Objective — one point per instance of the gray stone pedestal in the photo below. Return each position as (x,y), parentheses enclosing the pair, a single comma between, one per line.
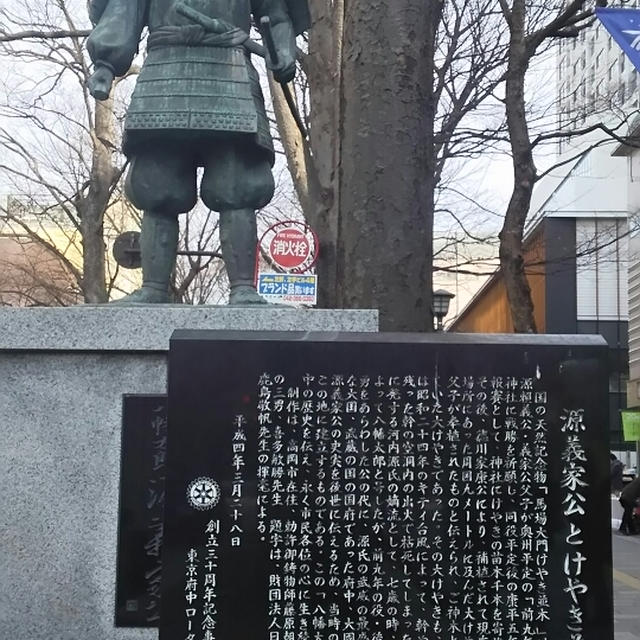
(62,376)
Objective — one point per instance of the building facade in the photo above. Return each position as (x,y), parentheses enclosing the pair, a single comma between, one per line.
(595,79)
(576,261)
(41,253)
(631,153)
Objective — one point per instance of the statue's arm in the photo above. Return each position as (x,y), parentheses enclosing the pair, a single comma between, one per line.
(114,41)
(283,35)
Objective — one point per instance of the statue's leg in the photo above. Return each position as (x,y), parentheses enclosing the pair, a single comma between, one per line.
(162,184)
(236,182)
(158,246)
(238,237)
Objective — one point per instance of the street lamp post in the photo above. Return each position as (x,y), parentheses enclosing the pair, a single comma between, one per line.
(440,305)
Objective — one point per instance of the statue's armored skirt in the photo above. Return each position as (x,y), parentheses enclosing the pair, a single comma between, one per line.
(196,89)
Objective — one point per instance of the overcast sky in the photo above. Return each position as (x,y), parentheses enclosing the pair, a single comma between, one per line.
(487,179)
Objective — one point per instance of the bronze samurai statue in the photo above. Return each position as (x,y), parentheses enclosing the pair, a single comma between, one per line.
(197,103)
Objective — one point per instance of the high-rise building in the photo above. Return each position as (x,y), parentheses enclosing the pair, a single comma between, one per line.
(595,80)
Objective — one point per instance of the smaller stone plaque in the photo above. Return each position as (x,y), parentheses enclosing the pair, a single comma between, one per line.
(142,475)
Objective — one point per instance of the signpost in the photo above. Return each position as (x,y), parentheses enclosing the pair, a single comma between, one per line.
(291,249)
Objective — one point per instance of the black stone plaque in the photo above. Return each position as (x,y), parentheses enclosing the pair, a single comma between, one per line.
(386,487)
(142,478)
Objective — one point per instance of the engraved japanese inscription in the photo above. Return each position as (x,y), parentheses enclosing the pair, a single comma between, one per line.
(386,488)
(142,477)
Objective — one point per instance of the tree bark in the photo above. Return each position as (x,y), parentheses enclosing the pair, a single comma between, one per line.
(387,154)
(511,235)
(93,204)
(324,74)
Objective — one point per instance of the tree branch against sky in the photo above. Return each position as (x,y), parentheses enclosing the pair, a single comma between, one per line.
(533,27)
(60,147)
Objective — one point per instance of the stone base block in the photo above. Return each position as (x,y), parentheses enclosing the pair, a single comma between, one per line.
(62,376)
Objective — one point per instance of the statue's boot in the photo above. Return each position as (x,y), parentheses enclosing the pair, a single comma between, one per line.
(239,238)
(158,246)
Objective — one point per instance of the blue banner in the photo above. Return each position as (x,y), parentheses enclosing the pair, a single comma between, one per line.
(624,27)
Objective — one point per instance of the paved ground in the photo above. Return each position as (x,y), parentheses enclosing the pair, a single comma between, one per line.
(626,584)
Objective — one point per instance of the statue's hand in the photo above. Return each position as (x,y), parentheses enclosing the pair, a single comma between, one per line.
(285,70)
(100,82)
(284,41)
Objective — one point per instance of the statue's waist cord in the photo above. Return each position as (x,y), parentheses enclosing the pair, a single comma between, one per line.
(194,35)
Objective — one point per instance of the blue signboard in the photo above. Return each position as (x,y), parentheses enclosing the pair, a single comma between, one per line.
(290,288)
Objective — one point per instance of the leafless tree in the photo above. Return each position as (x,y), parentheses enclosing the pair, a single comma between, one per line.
(532,27)
(390,103)
(59,147)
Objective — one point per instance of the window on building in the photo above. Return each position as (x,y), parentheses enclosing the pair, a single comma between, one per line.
(600,94)
(601,269)
(618,382)
(634,170)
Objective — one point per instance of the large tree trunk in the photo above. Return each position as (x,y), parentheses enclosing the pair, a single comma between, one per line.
(94,203)
(324,76)
(511,258)
(387,151)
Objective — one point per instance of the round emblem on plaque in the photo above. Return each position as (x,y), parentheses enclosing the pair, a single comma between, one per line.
(203,493)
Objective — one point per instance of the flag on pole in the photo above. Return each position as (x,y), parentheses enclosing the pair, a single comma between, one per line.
(624,27)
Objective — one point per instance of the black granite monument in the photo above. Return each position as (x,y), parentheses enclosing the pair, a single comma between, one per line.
(386,487)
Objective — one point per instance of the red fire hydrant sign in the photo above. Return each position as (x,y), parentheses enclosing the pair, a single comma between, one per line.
(289,248)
